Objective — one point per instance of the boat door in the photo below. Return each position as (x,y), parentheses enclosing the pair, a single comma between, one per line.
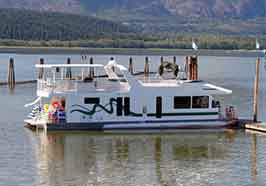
(158,107)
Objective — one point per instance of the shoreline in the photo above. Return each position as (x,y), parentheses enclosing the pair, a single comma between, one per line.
(127,51)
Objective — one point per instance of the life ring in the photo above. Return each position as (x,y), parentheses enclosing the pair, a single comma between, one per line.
(167,65)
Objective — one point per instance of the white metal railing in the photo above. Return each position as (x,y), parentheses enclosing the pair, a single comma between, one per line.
(57,85)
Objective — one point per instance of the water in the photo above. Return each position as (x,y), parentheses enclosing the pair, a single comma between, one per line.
(222,157)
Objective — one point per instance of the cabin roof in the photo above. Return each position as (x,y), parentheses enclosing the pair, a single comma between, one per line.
(191,87)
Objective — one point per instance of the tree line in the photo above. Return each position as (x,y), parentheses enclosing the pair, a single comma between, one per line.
(46,29)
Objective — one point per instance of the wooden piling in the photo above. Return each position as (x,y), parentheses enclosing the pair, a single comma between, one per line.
(91,74)
(146,67)
(41,70)
(174,60)
(256,92)
(68,70)
(11,74)
(187,67)
(130,66)
(161,59)
(193,68)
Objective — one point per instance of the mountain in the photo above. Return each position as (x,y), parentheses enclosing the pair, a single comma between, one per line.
(217,8)
(188,8)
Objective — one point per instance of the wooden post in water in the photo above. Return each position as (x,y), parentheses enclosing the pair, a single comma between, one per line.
(91,75)
(161,59)
(146,67)
(130,66)
(11,74)
(41,70)
(68,70)
(187,68)
(256,92)
(174,59)
(193,68)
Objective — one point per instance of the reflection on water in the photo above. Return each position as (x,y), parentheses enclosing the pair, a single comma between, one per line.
(253,157)
(94,159)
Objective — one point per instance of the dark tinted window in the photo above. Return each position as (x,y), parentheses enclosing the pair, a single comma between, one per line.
(91,100)
(182,102)
(200,102)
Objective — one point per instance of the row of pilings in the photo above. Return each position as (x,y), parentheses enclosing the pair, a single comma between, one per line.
(11,80)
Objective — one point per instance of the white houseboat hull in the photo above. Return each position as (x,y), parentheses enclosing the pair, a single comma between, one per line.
(137,125)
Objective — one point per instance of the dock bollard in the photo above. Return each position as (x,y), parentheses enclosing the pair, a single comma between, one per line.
(41,70)
(130,66)
(11,74)
(146,67)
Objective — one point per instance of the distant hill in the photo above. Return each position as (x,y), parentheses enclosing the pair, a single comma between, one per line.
(31,25)
(186,8)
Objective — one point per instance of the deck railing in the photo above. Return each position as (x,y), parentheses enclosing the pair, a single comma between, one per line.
(56,86)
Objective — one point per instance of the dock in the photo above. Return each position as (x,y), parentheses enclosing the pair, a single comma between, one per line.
(261,127)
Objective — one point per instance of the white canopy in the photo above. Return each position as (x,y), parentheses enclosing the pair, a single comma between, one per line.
(68,65)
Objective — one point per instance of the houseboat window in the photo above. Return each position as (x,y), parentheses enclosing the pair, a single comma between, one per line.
(216,104)
(127,106)
(91,100)
(200,102)
(182,102)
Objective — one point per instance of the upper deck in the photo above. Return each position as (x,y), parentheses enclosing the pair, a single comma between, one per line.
(96,78)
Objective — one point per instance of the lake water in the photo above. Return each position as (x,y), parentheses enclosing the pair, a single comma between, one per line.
(217,157)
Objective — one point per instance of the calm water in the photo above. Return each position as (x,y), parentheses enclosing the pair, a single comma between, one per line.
(176,158)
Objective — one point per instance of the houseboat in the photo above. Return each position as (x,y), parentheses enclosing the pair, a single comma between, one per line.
(110,97)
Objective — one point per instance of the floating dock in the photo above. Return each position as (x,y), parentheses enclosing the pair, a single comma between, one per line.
(256,126)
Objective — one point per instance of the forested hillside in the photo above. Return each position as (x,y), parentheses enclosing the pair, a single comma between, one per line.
(31,25)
